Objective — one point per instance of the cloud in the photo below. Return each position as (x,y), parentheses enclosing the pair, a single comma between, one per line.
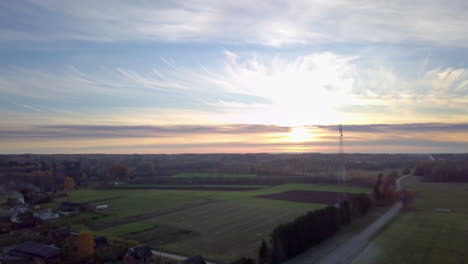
(114,131)
(273,23)
(327,87)
(73,82)
(318,88)
(380,138)
(402,128)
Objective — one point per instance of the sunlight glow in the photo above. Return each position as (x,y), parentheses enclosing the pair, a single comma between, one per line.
(300,134)
(304,90)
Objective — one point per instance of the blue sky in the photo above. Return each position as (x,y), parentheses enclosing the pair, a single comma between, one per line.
(293,64)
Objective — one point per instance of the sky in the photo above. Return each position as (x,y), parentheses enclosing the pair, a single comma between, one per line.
(200,76)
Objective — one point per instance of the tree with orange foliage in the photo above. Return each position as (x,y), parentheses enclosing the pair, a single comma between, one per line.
(385,188)
(85,244)
(68,184)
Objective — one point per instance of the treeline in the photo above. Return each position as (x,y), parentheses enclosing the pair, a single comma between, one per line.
(443,170)
(291,239)
(99,167)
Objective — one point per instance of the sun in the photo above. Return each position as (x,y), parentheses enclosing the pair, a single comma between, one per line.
(299,134)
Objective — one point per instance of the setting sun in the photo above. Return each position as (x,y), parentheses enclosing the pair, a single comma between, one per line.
(299,134)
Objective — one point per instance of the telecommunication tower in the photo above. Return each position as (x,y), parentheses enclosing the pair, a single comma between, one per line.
(341,173)
(341,169)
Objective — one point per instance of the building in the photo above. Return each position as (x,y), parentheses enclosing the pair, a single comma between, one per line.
(141,254)
(17,211)
(101,243)
(194,260)
(46,215)
(102,207)
(32,252)
(58,235)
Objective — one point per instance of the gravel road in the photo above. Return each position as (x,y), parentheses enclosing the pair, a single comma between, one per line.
(348,250)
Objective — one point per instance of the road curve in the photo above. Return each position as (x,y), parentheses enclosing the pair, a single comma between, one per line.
(397,183)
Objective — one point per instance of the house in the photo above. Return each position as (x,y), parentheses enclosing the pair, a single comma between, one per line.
(58,235)
(102,207)
(31,251)
(141,254)
(16,198)
(46,215)
(101,243)
(17,211)
(194,260)
(20,209)
(71,212)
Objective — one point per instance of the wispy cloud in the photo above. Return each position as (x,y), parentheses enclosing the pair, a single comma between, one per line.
(113,131)
(259,22)
(319,88)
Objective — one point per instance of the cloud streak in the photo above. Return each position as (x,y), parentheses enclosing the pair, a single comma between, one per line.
(113,131)
(259,22)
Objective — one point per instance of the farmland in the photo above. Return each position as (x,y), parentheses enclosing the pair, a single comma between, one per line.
(220,225)
(211,187)
(423,234)
(214,175)
(307,196)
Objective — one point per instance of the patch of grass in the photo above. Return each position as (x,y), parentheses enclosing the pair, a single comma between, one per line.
(126,228)
(190,186)
(213,175)
(159,235)
(7,241)
(130,202)
(423,235)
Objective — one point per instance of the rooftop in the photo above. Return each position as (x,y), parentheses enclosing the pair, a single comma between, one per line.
(35,249)
(140,252)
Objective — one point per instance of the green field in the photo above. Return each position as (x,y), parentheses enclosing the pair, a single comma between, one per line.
(220,225)
(213,175)
(191,186)
(423,235)
(188,187)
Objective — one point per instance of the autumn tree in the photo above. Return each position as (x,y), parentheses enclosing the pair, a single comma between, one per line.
(119,171)
(385,188)
(85,244)
(68,184)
